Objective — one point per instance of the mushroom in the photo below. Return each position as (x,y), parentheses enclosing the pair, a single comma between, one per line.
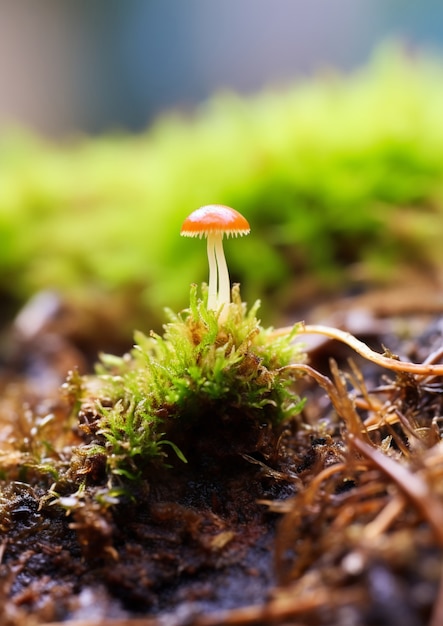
(213,221)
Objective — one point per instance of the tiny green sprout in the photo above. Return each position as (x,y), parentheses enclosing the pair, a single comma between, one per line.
(213,221)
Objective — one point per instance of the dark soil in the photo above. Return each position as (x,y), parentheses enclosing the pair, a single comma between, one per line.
(197,539)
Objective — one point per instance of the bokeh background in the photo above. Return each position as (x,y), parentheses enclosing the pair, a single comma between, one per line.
(320,120)
(95,65)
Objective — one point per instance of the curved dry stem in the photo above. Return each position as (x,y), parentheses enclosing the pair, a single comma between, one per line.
(423,369)
(321,379)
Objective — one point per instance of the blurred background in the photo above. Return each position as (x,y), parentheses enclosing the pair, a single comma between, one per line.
(320,120)
(95,65)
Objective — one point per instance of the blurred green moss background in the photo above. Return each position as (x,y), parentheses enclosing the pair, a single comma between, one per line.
(340,177)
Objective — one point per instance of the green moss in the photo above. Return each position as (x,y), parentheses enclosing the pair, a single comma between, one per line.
(210,381)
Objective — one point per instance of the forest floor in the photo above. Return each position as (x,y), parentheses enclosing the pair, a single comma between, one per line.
(338,519)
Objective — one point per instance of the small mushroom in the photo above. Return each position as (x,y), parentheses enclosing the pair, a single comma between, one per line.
(213,221)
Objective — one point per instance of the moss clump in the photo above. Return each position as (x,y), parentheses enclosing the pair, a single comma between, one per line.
(208,388)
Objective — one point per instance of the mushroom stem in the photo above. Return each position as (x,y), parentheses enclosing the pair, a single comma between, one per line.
(212,287)
(224,287)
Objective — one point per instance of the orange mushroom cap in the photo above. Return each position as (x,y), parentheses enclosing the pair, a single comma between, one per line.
(215,219)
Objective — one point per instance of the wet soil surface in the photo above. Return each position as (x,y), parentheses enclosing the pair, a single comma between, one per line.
(197,540)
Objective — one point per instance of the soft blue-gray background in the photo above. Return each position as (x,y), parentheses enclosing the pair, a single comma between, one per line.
(94,65)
